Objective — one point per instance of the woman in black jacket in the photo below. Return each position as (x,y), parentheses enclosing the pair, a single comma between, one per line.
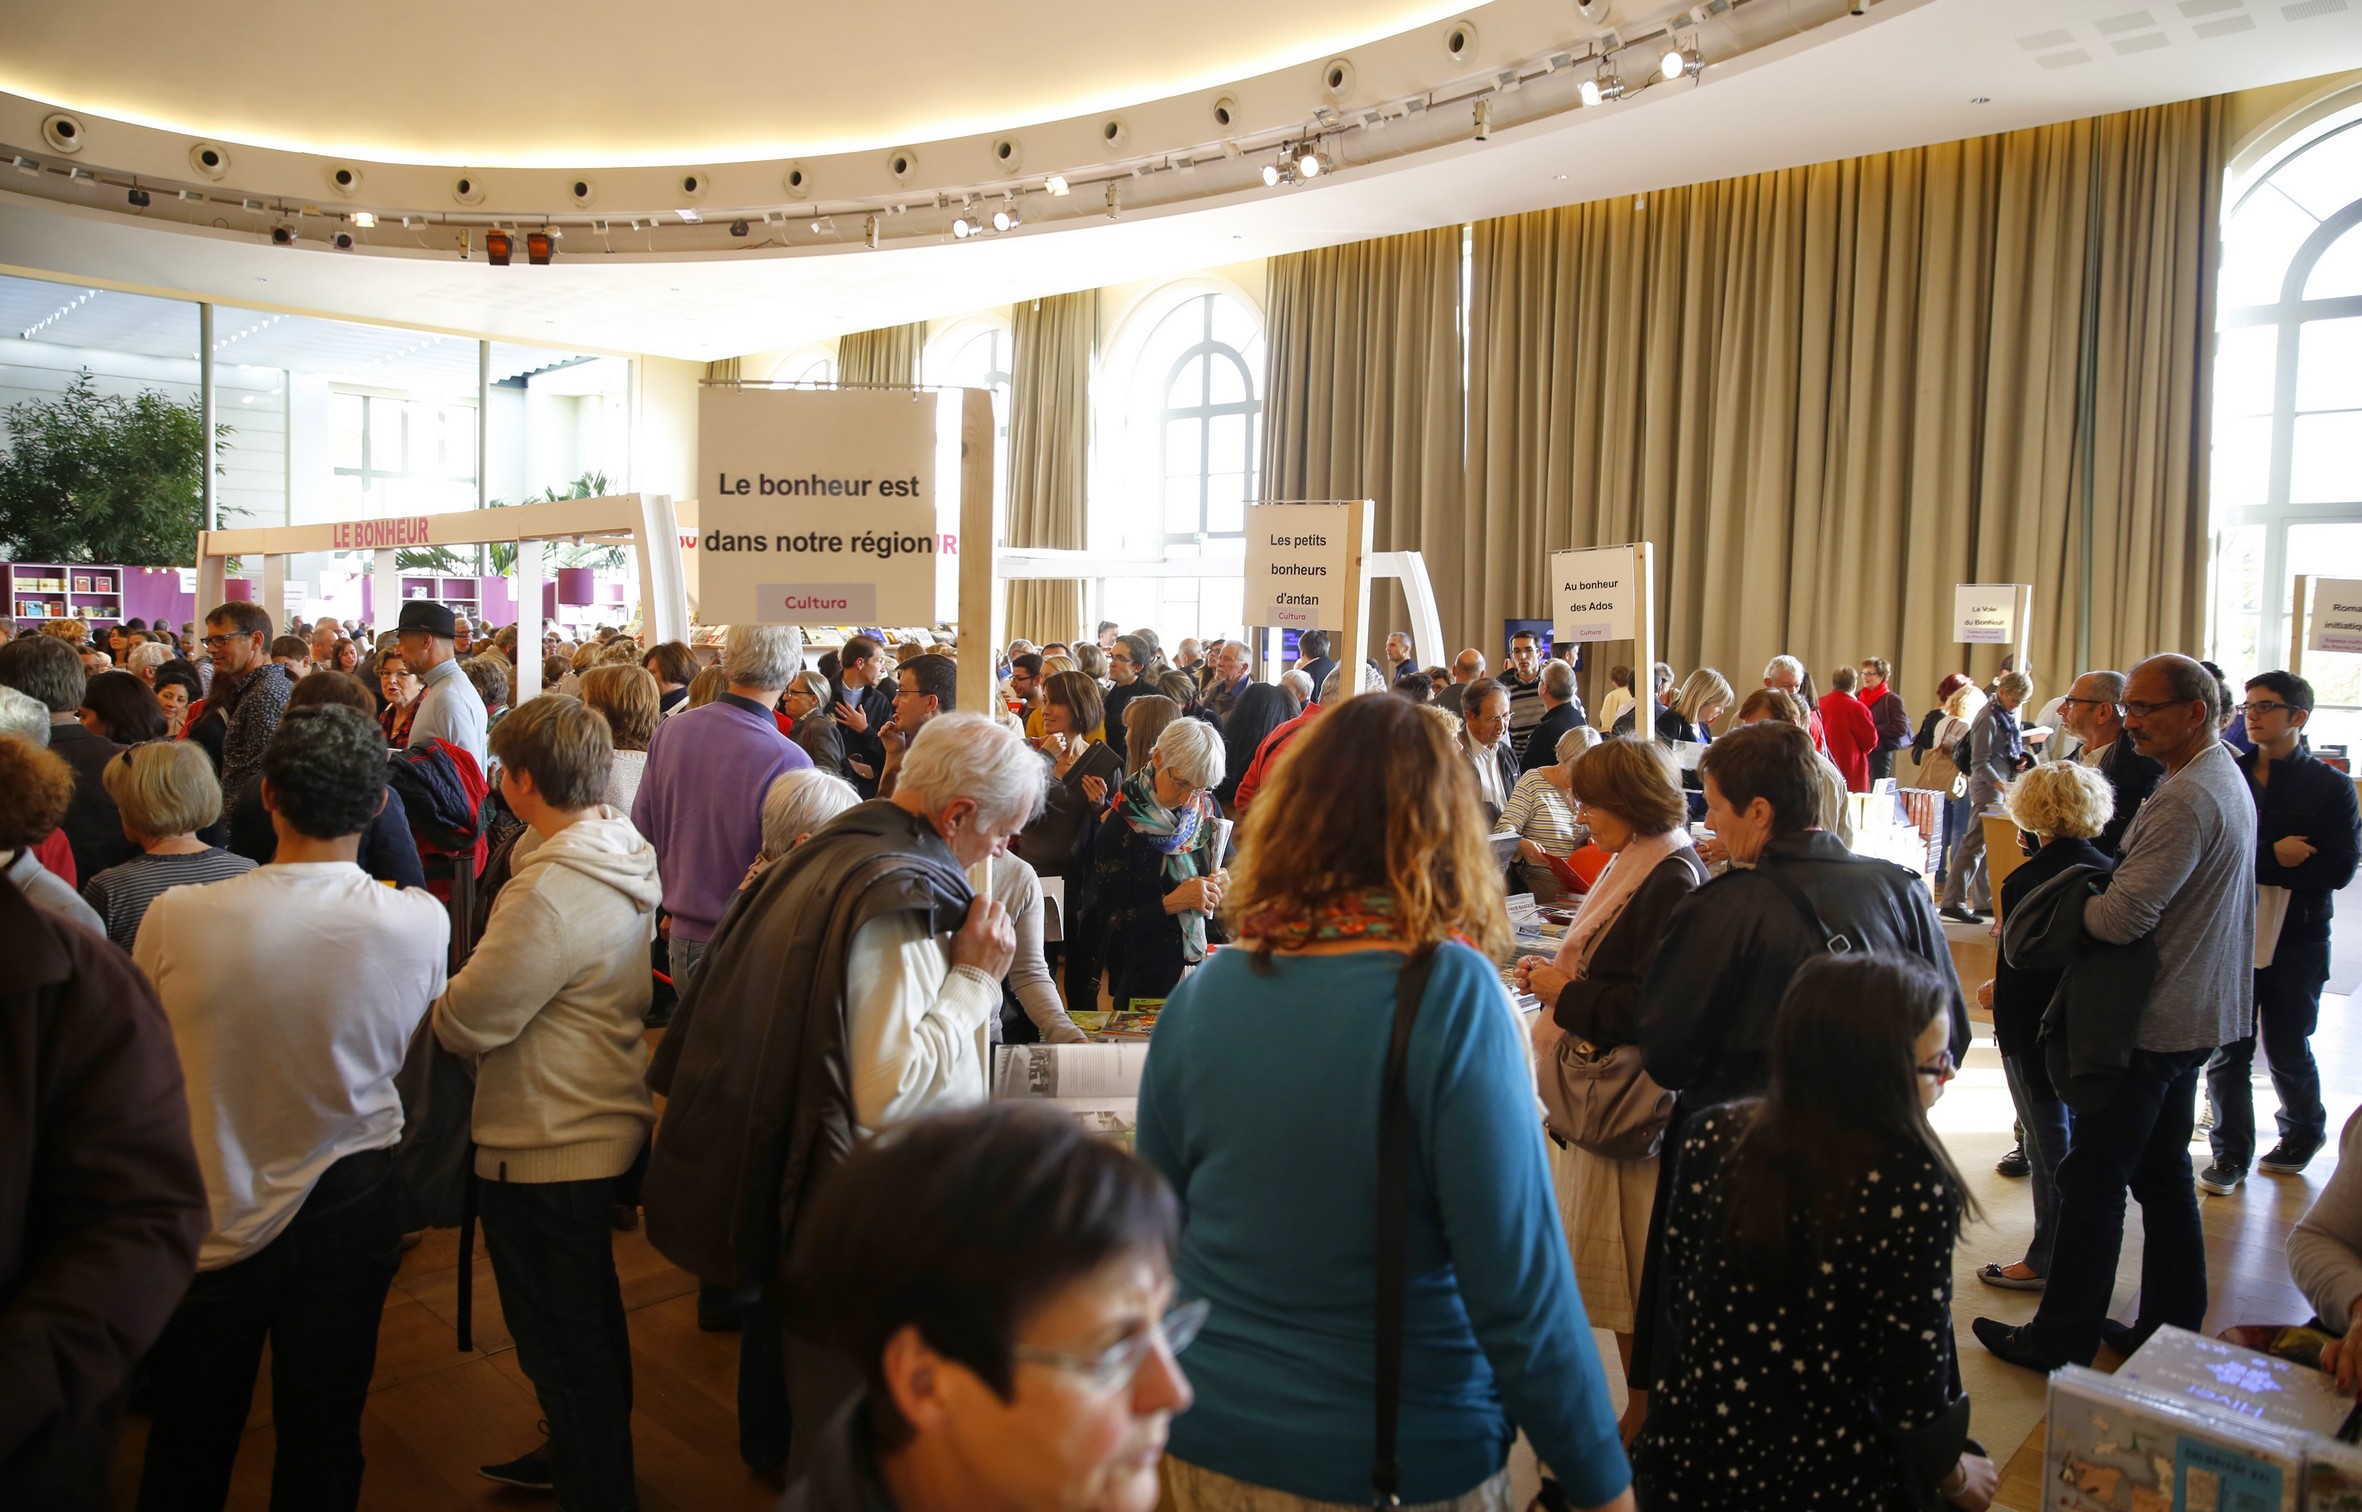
(1159,865)
(2063,804)
(1627,795)
(1262,708)
(1087,775)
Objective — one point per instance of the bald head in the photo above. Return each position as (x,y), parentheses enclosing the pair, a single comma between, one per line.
(1468,666)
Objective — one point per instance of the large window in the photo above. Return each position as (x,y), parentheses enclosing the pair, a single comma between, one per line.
(397,456)
(2287,463)
(1192,428)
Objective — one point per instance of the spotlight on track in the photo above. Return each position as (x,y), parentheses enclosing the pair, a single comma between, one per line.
(499,247)
(540,247)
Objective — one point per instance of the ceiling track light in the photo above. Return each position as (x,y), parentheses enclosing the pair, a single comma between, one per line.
(499,247)
(1056,186)
(1681,61)
(541,246)
(965,224)
(1115,199)
(1007,218)
(1603,86)
(1484,119)
(870,233)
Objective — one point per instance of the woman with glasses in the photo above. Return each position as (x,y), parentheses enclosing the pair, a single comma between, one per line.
(1366,857)
(2064,805)
(400,688)
(1004,1284)
(1812,1231)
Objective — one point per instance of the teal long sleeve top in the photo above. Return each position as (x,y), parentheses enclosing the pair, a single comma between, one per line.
(1259,1103)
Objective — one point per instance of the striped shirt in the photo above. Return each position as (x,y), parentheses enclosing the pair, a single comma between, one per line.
(121,894)
(1538,810)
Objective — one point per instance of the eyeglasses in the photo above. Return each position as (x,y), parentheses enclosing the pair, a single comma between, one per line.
(1944,1069)
(1113,1369)
(2094,702)
(2269,706)
(216,642)
(2127,708)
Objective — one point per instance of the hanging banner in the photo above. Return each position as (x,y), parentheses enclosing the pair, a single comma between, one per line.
(2337,615)
(1592,594)
(817,507)
(1298,559)
(1985,614)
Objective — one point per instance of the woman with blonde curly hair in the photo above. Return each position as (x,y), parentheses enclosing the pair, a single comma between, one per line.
(2063,804)
(1367,906)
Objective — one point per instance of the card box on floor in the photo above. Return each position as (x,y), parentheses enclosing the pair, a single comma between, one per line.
(2211,1374)
(2117,1447)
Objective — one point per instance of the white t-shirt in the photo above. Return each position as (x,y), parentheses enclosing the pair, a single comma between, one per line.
(292,993)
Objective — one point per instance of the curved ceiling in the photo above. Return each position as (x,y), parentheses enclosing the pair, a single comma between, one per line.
(621,83)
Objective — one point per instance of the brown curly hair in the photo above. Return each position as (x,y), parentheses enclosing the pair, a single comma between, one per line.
(1372,797)
(36,788)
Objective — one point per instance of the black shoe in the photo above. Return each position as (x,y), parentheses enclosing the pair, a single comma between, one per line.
(2288,1157)
(627,1218)
(1961,916)
(2009,1345)
(527,1472)
(2221,1178)
(717,1310)
(2015,1162)
(2125,1338)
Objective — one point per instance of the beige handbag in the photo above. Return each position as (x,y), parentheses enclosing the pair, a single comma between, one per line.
(1604,1101)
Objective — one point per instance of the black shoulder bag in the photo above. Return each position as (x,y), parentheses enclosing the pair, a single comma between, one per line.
(1394,1212)
(1831,940)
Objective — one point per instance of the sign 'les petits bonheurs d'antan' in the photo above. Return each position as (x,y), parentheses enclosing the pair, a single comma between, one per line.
(817,507)
(1298,556)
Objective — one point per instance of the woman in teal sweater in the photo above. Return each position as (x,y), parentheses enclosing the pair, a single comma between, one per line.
(1260,1104)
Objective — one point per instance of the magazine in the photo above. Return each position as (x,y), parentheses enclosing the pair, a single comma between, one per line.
(1068,1071)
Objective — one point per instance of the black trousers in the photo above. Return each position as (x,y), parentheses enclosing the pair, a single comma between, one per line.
(2287,1008)
(553,1257)
(315,1294)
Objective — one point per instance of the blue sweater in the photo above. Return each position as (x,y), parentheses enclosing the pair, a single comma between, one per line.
(1260,1104)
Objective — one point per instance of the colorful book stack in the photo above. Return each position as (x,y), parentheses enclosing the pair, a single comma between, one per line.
(2189,1423)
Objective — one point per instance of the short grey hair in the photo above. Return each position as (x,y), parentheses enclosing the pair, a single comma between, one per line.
(1190,751)
(1575,742)
(798,803)
(1558,681)
(1779,664)
(762,656)
(2017,684)
(972,756)
(1299,682)
(813,683)
(150,654)
(2111,684)
(23,715)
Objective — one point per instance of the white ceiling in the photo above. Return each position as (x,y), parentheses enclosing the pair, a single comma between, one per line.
(618,82)
(1904,77)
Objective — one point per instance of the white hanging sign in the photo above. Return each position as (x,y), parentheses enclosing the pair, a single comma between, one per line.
(1985,614)
(1298,557)
(2337,615)
(1592,594)
(817,507)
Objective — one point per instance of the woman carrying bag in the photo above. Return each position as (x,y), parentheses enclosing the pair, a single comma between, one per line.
(1335,1361)
(1606,1118)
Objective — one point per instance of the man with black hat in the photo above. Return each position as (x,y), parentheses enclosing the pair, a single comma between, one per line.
(449,708)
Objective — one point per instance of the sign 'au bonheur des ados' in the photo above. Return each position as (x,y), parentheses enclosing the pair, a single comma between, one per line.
(817,507)
(1298,556)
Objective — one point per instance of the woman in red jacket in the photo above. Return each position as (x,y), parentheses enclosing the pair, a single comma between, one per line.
(1852,734)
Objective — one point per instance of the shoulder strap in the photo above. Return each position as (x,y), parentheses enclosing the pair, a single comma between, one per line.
(1394,1203)
(1834,943)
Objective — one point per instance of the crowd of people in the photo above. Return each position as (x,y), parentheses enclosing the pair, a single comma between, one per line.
(726,949)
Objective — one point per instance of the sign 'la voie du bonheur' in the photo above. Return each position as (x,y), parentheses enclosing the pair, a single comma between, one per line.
(818,507)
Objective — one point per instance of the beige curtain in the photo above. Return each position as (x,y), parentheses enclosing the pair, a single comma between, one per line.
(725,370)
(882,358)
(1362,400)
(1829,394)
(1052,347)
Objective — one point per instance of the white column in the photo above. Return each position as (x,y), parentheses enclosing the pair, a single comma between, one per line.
(528,621)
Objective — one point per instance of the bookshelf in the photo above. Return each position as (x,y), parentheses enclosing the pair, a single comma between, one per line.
(40,591)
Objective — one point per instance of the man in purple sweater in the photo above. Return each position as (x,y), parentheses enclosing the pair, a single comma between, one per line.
(701,799)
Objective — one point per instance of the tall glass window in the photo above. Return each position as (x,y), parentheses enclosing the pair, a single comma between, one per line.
(2287,460)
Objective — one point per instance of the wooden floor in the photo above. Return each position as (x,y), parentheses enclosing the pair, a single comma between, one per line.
(435,1414)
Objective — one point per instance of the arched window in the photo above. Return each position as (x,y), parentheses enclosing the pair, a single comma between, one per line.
(813,365)
(1192,439)
(2287,463)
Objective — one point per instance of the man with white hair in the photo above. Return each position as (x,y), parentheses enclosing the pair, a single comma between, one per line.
(701,793)
(1786,674)
(854,987)
(1231,670)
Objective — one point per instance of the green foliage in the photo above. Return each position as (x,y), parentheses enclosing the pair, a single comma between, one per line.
(103,478)
(443,559)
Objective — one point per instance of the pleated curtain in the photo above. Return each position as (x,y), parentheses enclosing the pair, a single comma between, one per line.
(1830,394)
(1052,348)
(1363,401)
(884,357)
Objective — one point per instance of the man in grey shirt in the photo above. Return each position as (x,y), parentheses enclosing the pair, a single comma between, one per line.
(2187,878)
(449,707)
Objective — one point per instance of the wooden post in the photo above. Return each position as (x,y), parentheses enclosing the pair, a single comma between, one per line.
(1356,631)
(2300,619)
(274,589)
(981,611)
(1644,630)
(2024,649)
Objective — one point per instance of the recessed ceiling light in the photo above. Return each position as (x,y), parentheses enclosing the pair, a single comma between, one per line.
(1558,178)
(1981,100)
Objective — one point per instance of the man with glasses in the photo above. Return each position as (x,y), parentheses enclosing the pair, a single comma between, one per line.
(2091,714)
(2306,846)
(248,696)
(1523,678)
(1128,664)
(2187,881)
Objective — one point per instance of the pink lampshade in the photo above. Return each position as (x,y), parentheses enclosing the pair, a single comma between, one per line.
(237,590)
(576,586)
(549,600)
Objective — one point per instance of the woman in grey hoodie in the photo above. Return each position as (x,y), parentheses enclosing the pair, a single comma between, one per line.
(551,1004)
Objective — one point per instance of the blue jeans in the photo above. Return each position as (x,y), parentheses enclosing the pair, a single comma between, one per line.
(315,1294)
(2046,1125)
(682,956)
(2287,1007)
(2139,1142)
(552,1245)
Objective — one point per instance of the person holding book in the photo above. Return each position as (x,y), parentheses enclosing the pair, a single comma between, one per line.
(1158,871)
